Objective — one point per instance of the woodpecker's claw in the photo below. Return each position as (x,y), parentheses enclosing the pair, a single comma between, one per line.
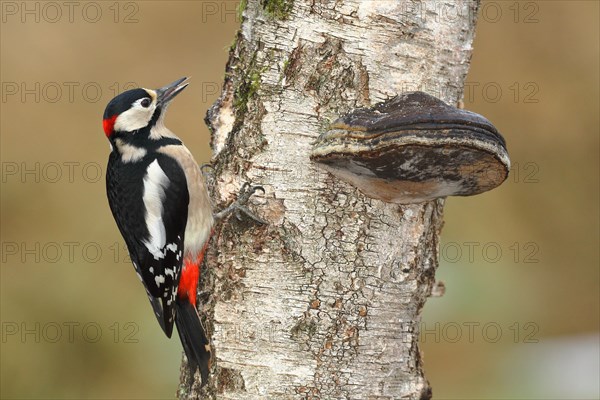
(247,191)
(238,207)
(206,166)
(239,210)
(208,172)
(244,195)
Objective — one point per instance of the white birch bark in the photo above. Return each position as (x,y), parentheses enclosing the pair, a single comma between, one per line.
(324,302)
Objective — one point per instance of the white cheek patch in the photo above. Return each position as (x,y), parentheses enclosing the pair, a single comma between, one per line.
(155,183)
(135,118)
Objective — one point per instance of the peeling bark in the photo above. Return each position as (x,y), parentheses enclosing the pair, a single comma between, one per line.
(324,301)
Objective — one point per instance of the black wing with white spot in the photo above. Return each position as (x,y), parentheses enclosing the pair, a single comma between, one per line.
(149,201)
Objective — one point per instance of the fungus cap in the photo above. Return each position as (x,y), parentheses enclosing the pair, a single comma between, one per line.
(414,148)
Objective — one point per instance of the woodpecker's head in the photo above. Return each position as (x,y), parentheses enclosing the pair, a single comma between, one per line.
(140,109)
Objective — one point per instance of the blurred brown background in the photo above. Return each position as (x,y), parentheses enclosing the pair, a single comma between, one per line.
(520,316)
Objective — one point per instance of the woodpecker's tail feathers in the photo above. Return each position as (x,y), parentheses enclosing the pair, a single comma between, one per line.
(194,341)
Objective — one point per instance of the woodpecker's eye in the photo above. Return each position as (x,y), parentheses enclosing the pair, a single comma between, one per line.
(146,103)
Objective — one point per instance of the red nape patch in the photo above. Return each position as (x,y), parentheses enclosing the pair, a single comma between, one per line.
(109,125)
(188,282)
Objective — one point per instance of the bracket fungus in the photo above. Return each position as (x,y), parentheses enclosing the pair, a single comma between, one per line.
(414,148)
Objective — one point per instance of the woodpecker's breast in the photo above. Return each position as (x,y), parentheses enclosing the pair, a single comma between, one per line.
(200,218)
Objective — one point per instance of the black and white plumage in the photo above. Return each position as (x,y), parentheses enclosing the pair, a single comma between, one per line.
(160,203)
(155,246)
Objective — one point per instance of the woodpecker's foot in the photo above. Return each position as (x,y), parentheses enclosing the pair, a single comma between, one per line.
(238,207)
(208,171)
(206,166)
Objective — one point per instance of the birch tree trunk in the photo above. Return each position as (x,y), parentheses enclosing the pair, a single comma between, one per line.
(323,302)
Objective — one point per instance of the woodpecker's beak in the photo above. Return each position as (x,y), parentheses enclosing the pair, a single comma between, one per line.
(167,93)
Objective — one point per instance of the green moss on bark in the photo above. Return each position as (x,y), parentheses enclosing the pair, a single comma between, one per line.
(277,9)
(241,9)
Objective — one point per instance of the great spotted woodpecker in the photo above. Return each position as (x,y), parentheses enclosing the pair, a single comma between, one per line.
(160,203)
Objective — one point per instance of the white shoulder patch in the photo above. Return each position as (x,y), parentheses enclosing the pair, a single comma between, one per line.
(155,183)
(130,153)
